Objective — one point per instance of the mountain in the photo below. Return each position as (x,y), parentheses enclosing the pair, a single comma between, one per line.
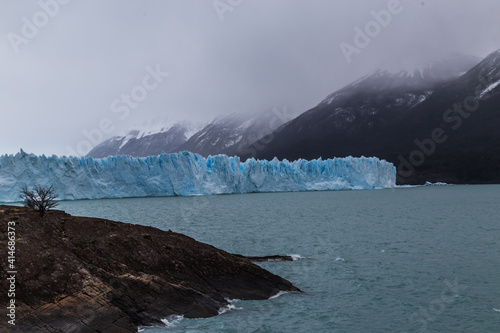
(223,135)
(141,143)
(396,116)
(467,113)
(230,134)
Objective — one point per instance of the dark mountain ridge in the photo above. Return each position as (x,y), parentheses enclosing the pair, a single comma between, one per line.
(391,115)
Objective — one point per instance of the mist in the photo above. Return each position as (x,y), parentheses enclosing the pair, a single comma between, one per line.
(86,70)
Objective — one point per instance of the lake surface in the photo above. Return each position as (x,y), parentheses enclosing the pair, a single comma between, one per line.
(424,259)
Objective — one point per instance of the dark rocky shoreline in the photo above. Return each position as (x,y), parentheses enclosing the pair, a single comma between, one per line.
(78,274)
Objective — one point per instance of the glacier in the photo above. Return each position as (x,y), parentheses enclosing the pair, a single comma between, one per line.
(186,174)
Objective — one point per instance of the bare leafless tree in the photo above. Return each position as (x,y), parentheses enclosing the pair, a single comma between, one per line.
(41,198)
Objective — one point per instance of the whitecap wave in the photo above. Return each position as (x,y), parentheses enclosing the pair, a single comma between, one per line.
(280,293)
(497,310)
(173,320)
(339,259)
(229,307)
(296,257)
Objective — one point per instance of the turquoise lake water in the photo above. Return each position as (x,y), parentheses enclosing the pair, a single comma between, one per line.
(424,259)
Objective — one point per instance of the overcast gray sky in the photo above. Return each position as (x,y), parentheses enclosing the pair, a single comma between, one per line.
(67,66)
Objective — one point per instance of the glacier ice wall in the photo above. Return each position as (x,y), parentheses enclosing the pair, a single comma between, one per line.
(186,173)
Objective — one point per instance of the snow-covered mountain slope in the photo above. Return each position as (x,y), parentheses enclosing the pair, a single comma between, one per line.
(185,174)
(230,134)
(146,141)
(223,135)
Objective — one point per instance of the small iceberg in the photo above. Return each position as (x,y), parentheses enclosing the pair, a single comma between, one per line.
(436,184)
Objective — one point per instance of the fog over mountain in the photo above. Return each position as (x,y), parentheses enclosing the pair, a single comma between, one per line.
(437,124)
(74,73)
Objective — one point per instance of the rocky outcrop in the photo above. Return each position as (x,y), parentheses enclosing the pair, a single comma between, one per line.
(266,258)
(78,274)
